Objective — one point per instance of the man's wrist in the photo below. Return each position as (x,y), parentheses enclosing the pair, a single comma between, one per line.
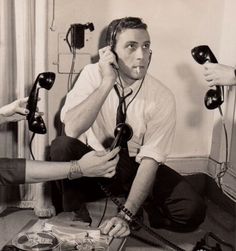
(122,215)
(109,80)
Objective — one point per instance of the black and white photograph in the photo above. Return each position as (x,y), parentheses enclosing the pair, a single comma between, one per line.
(117,125)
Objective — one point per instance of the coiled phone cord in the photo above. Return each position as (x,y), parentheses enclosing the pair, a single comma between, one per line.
(135,219)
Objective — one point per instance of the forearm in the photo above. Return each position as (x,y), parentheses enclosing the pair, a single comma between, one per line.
(87,111)
(39,171)
(142,184)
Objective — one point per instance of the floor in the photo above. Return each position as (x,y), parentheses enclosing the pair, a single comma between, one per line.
(218,221)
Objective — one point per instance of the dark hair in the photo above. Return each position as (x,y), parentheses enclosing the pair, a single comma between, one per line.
(118,25)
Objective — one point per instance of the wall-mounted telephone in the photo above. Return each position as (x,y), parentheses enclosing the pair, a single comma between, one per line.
(35,122)
(214,97)
(77,35)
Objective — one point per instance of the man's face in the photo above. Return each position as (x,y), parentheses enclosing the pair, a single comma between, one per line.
(133,51)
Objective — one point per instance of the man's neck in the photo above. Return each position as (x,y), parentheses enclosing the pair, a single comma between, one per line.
(127,82)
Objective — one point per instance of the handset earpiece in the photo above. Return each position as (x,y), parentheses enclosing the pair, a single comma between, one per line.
(123,133)
(44,80)
(214,97)
(116,56)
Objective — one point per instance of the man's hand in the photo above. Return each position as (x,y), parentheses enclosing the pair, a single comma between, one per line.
(14,111)
(99,163)
(107,62)
(218,74)
(116,227)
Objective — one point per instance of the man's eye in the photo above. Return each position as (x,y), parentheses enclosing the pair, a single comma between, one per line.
(146,46)
(131,46)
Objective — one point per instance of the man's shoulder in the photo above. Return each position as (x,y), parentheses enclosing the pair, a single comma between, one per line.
(155,87)
(91,67)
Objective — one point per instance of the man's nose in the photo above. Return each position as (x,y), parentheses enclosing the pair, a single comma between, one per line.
(139,53)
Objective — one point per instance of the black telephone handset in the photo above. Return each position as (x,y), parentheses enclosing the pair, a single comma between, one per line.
(35,122)
(214,97)
(115,66)
(123,132)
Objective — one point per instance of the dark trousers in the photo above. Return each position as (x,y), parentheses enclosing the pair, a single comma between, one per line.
(171,204)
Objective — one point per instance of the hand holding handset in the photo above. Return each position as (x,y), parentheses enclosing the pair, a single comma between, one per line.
(214,97)
(35,122)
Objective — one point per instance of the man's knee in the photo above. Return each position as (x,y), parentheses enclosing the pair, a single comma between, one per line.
(195,213)
(63,148)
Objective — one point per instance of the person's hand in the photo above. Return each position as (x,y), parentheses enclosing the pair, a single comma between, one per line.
(15,111)
(116,227)
(107,62)
(99,163)
(218,74)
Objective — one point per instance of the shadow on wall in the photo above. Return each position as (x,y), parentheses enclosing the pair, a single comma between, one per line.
(194,91)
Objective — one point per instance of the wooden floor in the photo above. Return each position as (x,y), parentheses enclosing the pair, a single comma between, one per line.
(217,221)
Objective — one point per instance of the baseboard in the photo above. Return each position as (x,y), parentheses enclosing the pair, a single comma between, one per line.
(188,165)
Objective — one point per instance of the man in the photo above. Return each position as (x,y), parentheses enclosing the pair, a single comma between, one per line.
(219,74)
(20,171)
(114,91)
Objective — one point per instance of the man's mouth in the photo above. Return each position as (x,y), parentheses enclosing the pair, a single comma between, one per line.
(138,68)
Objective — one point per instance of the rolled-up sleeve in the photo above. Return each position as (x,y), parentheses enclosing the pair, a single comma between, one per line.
(160,130)
(12,171)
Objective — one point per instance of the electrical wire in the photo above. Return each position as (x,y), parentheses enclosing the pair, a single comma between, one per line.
(144,240)
(30,146)
(52,26)
(121,85)
(104,212)
(70,77)
(224,165)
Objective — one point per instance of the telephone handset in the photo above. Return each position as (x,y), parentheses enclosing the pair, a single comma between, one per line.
(122,132)
(35,122)
(214,97)
(115,66)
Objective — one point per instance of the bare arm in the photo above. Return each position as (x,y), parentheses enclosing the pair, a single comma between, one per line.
(140,189)
(88,110)
(92,164)
(38,171)
(142,184)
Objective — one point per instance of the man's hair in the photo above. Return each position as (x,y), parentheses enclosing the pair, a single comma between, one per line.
(118,25)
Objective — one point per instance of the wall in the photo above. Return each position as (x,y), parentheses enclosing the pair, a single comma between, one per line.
(175,28)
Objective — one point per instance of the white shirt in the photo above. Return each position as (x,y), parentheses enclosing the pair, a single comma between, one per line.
(152,115)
